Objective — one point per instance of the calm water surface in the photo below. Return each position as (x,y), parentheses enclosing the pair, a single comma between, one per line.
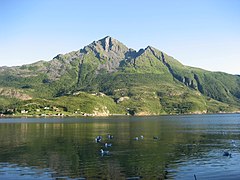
(65,148)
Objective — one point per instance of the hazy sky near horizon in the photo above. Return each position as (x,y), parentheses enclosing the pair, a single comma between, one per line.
(200,33)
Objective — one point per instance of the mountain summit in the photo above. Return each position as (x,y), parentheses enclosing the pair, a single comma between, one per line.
(108,49)
(110,44)
(147,81)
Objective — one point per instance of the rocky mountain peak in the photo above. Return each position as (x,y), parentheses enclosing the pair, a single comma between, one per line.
(107,46)
(108,43)
(151,49)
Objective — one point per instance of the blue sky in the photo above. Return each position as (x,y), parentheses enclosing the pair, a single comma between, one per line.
(203,33)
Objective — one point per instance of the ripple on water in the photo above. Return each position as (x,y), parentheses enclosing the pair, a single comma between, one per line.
(187,144)
(212,165)
(13,171)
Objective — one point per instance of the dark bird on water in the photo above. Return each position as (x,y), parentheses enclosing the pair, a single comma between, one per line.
(104,152)
(108,145)
(109,136)
(98,139)
(226,153)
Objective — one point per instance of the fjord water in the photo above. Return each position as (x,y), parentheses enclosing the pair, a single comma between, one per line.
(65,148)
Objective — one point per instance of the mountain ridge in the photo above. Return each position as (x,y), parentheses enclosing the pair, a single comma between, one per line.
(148,80)
(103,39)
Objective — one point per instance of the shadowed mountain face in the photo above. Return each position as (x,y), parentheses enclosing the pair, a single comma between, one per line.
(147,81)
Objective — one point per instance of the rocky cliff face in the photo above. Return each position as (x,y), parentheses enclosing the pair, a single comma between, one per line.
(108,47)
(109,51)
(13,93)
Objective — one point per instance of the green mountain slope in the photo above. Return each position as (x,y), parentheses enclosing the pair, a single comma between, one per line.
(144,82)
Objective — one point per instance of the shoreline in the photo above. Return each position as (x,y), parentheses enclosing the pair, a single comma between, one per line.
(2,116)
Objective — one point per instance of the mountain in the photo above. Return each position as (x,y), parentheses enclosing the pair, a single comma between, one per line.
(106,77)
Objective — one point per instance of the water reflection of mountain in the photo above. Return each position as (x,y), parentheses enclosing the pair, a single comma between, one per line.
(69,148)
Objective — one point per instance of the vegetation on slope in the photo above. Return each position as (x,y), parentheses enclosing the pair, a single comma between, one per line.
(106,77)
